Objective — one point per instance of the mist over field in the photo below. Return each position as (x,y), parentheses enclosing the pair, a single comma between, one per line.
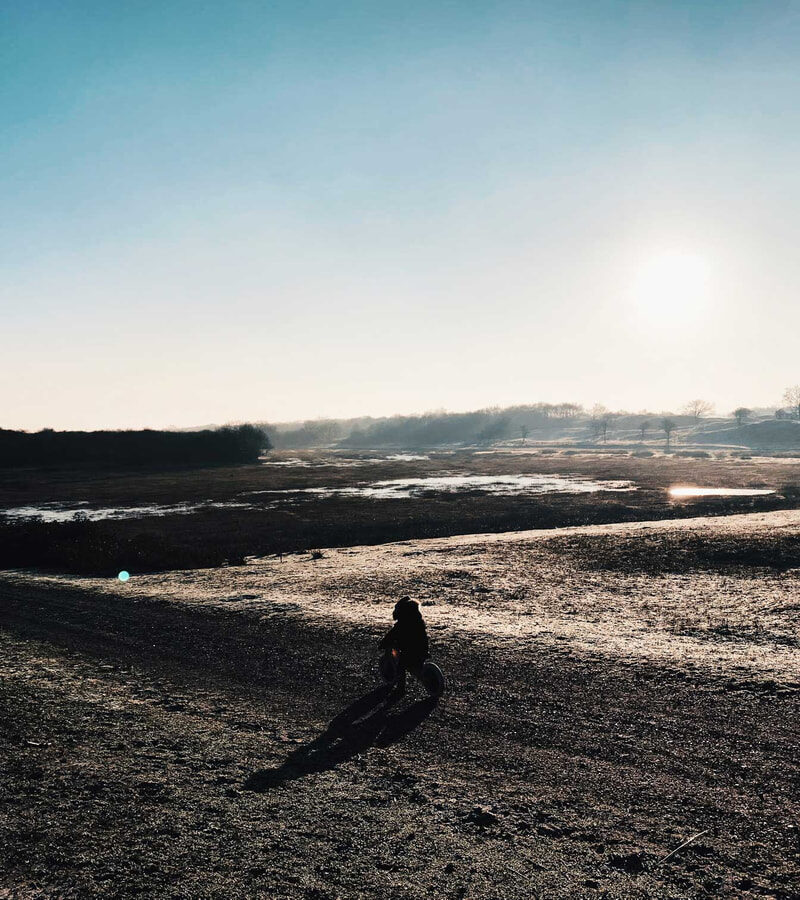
(769,429)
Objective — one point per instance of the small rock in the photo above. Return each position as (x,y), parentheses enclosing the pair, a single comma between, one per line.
(481,816)
(632,863)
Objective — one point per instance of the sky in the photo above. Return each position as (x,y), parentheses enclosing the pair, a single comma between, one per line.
(266,211)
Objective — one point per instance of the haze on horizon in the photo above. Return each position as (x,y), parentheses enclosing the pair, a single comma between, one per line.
(248,211)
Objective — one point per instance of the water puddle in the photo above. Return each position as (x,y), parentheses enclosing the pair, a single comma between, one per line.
(342,462)
(295,462)
(80,512)
(509,485)
(689,492)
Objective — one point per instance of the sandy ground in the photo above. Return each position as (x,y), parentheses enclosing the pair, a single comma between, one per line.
(613,690)
(516,587)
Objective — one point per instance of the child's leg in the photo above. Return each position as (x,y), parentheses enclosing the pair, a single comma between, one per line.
(416,671)
(413,665)
(400,681)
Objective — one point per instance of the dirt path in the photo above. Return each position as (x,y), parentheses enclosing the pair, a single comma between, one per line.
(180,737)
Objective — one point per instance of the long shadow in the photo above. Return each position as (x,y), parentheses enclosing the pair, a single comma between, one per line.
(365,723)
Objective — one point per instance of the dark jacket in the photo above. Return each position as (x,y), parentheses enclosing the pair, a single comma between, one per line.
(408,635)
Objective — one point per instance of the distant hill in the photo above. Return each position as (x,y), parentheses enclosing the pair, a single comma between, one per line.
(560,423)
(773,434)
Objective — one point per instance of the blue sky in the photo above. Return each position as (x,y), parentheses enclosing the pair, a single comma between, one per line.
(226,211)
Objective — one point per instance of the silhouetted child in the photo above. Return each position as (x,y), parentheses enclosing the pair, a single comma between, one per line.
(409,636)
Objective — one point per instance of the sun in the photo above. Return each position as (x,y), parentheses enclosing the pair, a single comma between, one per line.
(672,288)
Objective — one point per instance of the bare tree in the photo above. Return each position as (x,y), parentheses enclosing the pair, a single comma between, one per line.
(698,408)
(668,425)
(601,419)
(523,432)
(570,410)
(792,396)
(741,414)
(565,410)
(644,425)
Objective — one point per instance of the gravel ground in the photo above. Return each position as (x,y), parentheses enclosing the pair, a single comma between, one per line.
(613,691)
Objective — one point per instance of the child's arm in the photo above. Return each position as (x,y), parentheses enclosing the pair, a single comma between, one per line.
(390,640)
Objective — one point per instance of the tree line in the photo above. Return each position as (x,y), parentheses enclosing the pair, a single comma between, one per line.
(493,424)
(483,426)
(110,449)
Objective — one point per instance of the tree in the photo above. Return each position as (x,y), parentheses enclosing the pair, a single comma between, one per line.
(792,396)
(668,425)
(565,410)
(643,427)
(698,408)
(494,430)
(741,414)
(523,432)
(600,420)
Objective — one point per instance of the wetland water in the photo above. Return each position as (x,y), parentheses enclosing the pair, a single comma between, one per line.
(686,492)
(342,462)
(509,485)
(393,489)
(396,489)
(76,512)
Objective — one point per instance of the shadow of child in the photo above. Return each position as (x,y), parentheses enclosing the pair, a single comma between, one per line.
(364,723)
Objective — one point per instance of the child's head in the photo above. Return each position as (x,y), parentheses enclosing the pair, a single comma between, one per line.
(405,608)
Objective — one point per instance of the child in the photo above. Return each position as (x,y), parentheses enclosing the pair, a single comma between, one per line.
(409,636)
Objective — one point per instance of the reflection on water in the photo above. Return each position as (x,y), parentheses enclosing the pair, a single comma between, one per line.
(682,492)
(404,488)
(294,462)
(343,462)
(80,512)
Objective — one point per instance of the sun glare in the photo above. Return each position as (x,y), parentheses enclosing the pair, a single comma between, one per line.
(672,288)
